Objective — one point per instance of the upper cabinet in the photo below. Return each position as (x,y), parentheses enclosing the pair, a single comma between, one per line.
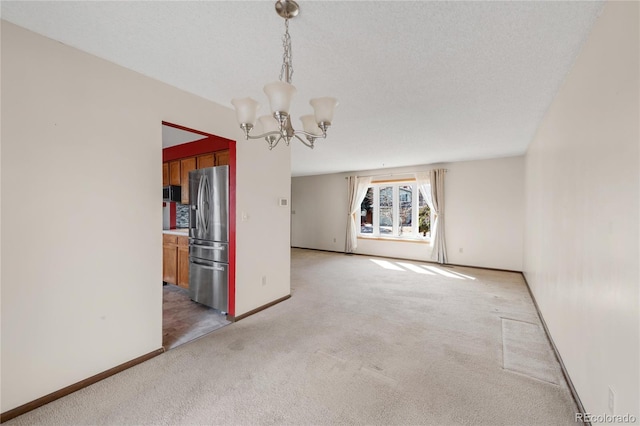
(222,158)
(177,172)
(174,172)
(186,165)
(206,160)
(165,174)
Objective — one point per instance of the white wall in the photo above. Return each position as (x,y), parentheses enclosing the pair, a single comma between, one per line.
(319,211)
(484,214)
(263,240)
(581,243)
(81,224)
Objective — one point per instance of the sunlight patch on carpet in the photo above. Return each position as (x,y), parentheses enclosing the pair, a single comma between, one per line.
(386,265)
(443,272)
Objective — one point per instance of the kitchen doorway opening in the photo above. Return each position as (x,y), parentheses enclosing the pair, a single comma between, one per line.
(187,154)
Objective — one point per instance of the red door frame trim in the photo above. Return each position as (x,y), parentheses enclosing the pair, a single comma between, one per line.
(205,145)
(172,215)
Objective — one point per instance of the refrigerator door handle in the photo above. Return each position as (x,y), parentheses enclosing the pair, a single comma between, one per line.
(198,208)
(206,194)
(207,247)
(193,218)
(202,210)
(205,266)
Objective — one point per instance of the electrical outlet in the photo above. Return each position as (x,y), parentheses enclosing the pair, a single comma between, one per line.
(461,250)
(612,401)
(334,240)
(264,280)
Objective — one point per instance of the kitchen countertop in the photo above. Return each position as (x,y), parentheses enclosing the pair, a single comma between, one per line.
(177,231)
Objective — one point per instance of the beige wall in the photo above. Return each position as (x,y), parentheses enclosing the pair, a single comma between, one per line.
(263,237)
(581,244)
(484,214)
(81,223)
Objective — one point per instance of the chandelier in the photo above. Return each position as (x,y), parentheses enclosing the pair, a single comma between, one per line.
(277,126)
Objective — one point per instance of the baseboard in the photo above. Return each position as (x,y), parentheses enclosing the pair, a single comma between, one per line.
(315,249)
(258,309)
(412,260)
(18,411)
(481,267)
(565,373)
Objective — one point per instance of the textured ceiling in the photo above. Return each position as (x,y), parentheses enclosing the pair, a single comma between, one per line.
(172,136)
(418,82)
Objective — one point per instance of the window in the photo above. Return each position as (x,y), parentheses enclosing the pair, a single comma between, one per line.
(395,210)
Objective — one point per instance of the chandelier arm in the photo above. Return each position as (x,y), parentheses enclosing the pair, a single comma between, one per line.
(311,135)
(309,144)
(264,135)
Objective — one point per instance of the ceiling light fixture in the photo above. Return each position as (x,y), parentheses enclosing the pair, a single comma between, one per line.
(277,127)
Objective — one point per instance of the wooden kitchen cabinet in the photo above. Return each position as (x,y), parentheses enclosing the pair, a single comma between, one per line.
(177,172)
(175,260)
(174,172)
(205,160)
(222,158)
(183,262)
(186,165)
(170,258)
(165,174)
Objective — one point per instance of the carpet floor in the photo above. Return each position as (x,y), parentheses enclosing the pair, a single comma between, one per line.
(362,340)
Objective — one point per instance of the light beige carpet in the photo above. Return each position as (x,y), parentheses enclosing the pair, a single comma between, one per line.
(361,341)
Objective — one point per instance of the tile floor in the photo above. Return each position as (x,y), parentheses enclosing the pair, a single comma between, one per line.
(184,320)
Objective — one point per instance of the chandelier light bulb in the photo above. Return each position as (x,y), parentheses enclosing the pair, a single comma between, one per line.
(323,109)
(309,125)
(246,109)
(269,124)
(280,95)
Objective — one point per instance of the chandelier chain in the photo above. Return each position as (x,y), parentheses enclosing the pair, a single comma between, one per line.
(286,72)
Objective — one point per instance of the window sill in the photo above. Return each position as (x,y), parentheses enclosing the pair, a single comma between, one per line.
(397,239)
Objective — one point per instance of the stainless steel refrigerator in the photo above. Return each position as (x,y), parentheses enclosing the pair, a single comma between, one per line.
(209,237)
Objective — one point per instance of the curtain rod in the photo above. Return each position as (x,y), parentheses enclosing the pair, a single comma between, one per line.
(391,174)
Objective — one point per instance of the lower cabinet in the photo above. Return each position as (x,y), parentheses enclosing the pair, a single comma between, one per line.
(169,258)
(175,260)
(183,262)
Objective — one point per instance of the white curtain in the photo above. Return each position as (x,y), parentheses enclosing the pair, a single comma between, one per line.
(439,251)
(424,186)
(357,190)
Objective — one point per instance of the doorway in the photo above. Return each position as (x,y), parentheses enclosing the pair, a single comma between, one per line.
(185,150)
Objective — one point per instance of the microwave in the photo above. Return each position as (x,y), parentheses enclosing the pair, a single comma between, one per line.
(172,193)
